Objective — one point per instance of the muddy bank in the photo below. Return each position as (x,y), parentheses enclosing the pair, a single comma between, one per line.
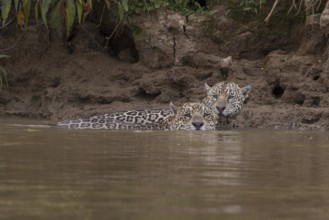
(54,80)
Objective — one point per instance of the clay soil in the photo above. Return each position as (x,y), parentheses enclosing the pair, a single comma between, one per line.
(55,80)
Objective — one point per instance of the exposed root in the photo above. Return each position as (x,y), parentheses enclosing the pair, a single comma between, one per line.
(271,12)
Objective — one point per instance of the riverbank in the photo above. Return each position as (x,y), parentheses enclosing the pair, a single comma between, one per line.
(52,80)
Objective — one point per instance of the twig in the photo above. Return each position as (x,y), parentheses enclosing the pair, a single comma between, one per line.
(292,6)
(148,12)
(8,23)
(111,35)
(294,3)
(319,5)
(270,14)
(101,19)
(89,35)
(308,71)
(115,31)
(299,8)
(13,46)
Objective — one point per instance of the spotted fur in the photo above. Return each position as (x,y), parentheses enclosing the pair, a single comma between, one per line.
(191,116)
(133,119)
(226,98)
(143,117)
(100,123)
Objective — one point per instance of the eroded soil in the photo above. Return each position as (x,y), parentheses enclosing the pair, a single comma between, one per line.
(48,78)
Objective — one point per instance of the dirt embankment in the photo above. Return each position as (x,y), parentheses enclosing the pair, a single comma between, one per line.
(169,61)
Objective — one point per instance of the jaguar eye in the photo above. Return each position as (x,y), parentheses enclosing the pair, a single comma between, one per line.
(230,97)
(215,96)
(206,114)
(188,115)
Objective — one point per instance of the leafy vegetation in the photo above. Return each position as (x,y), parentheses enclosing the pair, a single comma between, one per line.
(240,9)
(3,73)
(251,5)
(58,14)
(186,7)
(61,15)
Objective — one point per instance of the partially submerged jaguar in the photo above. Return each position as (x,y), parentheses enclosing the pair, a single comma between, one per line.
(224,100)
(190,116)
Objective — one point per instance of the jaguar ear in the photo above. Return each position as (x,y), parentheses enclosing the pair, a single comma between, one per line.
(173,108)
(246,90)
(207,87)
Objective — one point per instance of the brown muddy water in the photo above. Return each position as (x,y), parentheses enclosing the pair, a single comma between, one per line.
(50,173)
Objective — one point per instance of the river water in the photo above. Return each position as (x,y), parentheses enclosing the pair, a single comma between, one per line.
(51,173)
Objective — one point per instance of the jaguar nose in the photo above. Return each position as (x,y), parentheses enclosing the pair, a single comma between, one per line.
(220,108)
(198,125)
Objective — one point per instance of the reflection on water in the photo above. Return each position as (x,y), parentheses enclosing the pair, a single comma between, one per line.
(49,173)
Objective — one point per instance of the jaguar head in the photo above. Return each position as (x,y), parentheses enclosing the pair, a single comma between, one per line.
(226,98)
(192,116)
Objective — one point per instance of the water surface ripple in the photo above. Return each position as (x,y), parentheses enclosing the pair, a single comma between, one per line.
(50,173)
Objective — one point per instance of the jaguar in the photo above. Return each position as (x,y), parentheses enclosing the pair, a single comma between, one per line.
(226,98)
(189,116)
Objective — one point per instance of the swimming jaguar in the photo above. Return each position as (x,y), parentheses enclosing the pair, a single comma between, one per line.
(190,116)
(225,99)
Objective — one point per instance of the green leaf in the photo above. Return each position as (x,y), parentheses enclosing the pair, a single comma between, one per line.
(27,11)
(6,4)
(36,10)
(44,9)
(90,3)
(56,18)
(16,4)
(125,5)
(138,10)
(137,32)
(3,56)
(79,9)
(70,15)
(121,11)
(3,77)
